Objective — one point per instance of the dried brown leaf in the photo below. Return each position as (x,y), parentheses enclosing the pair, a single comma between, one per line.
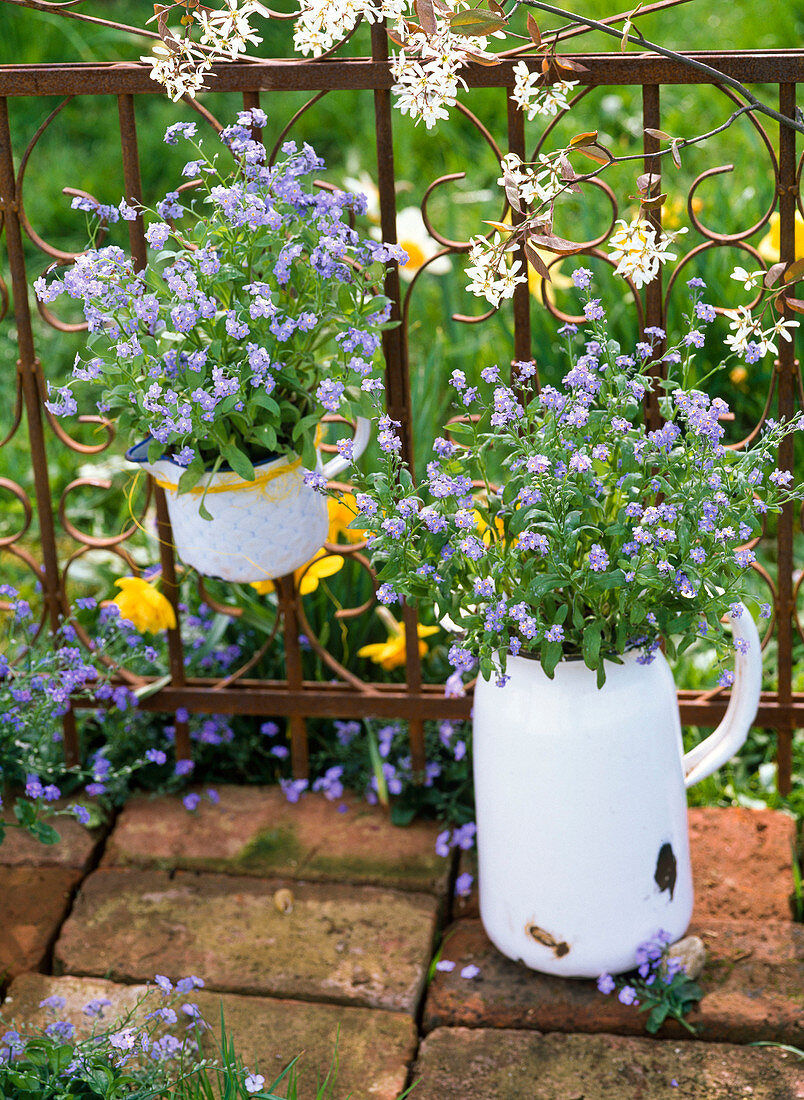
(596,152)
(536,262)
(794,272)
(583,139)
(570,66)
(533,30)
(555,244)
(660,134)
(426,14)
(773,273)
(795,304)
(481,57)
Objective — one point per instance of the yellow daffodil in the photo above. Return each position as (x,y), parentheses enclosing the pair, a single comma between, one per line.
(390,654)
(307,576)
(143,605)
(768,247)
(411,232)
(412,235)
(341,513)
(485,531)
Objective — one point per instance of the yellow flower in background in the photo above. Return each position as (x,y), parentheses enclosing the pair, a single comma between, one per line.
(412,235)
(341,513)
(323,565)
(485,532)
(739,375)
(769,246)
(675,210)
(144,606)
(411,232)
(390,654)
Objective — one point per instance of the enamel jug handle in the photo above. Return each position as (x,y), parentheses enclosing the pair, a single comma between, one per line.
(338,464)
(730,735)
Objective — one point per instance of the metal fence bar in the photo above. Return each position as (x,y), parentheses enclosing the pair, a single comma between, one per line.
(34,391)
(786,398)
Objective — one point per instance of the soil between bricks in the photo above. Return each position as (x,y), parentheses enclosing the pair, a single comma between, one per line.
(342,944)
(374,1048)
(514,1065)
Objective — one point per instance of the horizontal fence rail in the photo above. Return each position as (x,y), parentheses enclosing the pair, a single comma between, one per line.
(295,697)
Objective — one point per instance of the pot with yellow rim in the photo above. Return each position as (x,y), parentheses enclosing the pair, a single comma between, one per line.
(259,529)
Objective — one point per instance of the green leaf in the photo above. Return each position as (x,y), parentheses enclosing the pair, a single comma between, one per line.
(657,1017)
(591,645)
(44,833)
(306,424)
(476,22)
(544,582)
(240,462)
(402,815)
(260,397)
(265,435)
(601,582)
(192,475)
(551,655)
(155,450)
(25,812)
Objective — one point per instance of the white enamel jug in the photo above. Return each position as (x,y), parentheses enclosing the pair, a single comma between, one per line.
(260,529)
(583,852)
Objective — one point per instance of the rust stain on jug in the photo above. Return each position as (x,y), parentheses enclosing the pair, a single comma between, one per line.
(665,873)
(558,947)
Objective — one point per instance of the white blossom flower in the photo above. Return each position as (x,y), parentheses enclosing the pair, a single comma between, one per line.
(640,249)
(536,98)
(747,278)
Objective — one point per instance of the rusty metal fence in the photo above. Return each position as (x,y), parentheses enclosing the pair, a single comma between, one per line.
(348,696)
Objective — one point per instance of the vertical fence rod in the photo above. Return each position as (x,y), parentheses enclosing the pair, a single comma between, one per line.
(397,375)
(170,587)
(297,727)
(654,293)
(787,372)
(33,389)
(521,299)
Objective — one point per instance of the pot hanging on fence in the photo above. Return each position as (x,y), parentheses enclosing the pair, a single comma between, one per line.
(260,529)
(583,852)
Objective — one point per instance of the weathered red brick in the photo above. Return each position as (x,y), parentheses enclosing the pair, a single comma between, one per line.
(753,988)
(512,1065)
(256,831)
(374,1048)
(33,902)
(742,862)
(75,848)
(354,945)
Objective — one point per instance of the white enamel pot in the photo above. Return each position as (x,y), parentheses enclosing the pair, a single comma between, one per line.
(583,852)
(260,529)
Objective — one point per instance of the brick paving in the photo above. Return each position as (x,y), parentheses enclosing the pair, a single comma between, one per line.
(312,921)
